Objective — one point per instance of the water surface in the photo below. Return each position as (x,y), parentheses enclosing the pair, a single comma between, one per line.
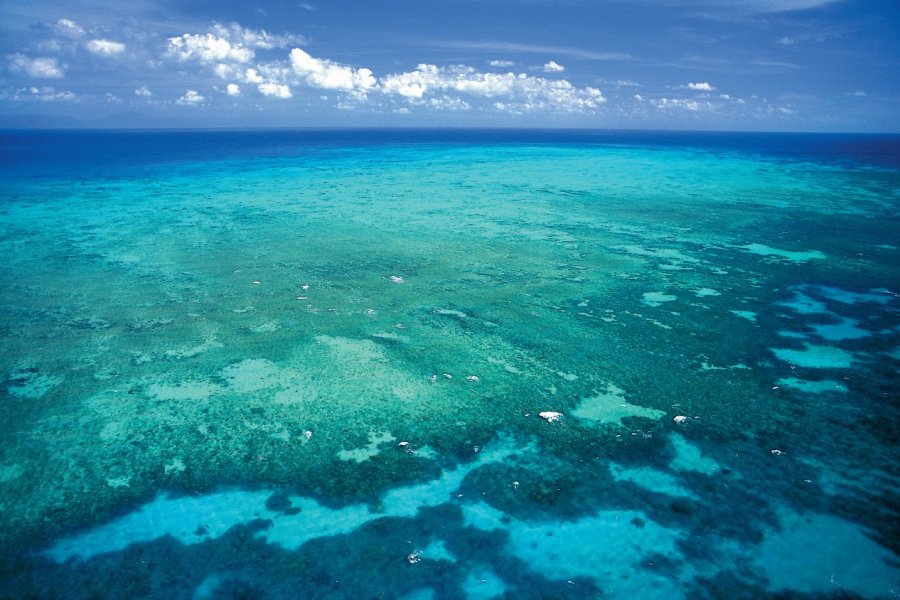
(449,364)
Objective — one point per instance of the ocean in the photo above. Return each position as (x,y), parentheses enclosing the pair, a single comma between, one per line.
(449,364)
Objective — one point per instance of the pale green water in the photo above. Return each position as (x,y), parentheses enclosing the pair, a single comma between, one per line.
(208,368)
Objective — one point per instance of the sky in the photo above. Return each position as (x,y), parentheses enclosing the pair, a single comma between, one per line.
(757,65)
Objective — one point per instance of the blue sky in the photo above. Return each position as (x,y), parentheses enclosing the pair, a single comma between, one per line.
(798,65)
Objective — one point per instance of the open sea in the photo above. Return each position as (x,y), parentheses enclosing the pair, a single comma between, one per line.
(449,364)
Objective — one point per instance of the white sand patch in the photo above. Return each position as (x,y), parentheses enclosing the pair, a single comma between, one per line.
(689,458)
(805,305)
(744,314)
(352,350)
(282,436)
(141,358)
(845,329)
(391,336)
(705,366)
(425,593)
(483,584)
(407,501)
(506,366)
(815,357)
(821,554)
(794,335)
(426,452)
(839,480)
(267,327)
(651,479)
(659,324)
(655,299)
(174,467)
(449,312)
(567,376)
(373,448)
(295,395)
(669,254)
(483,516)
(706,292)
(407,392)
(192,351)
(784,255)
(252,375)
(119,482)
(596,547)
(437,550)
(876,296)
(185,390)
(609,407)
(207,588)
(115,431)
(812,387)
(195,519)
(180,518)
(315,521)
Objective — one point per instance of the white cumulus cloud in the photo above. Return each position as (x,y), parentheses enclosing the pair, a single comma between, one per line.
(50,45)
(702,86)
(449,103)
(329,75)
(518,91)
(230,52)
(105,47)
(682,104)
(44,94)
(207,48)
(191,98)
(42,67)
(553,67)
(275,90)
(254,38)
(227,45)
(143,91)
(69,28)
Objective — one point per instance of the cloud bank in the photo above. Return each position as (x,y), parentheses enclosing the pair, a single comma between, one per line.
(249,67)
(42,67)
(230,53)
(105,47)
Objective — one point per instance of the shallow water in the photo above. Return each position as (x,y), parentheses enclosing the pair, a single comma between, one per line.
(314,364)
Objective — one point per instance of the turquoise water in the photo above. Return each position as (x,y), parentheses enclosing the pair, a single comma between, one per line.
(448,365)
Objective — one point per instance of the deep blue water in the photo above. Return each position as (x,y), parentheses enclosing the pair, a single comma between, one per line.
(100,152)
